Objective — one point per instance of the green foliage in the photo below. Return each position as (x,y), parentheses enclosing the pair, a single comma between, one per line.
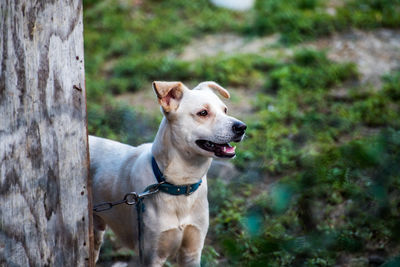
(334,199)
(302,230)
(240,70)
(375,111)
(296,117)
(295,20)
(133,74)
(121,123)
(308,19)
(128,38)
(310,70)
(368,14)
(125,28)
(391,87)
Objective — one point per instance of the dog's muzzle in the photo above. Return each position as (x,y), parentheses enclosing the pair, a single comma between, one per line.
(224,150)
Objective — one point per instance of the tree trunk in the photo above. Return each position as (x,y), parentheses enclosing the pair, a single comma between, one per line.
(44,203)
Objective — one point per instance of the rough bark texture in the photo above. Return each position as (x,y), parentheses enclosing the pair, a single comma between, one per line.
(44,210)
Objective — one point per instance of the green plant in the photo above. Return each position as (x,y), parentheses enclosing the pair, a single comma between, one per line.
(369,14)
(296,20)
(296,116)
(376,111)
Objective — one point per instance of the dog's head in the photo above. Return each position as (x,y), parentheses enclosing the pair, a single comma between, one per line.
(198,119)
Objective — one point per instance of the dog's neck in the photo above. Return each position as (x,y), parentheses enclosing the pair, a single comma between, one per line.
(179,167)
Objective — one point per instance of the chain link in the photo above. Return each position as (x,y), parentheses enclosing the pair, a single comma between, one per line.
(129,199)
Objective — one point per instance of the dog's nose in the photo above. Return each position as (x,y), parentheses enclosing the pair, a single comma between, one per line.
(239,128)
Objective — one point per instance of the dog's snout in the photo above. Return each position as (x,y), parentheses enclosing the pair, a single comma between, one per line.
(239,128)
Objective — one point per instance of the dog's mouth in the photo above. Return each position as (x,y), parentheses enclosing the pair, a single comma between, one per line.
(220,150)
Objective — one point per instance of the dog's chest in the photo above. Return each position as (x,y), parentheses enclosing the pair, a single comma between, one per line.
(178,211)
(180,206)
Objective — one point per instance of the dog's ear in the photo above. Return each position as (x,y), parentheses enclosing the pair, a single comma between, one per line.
(169,94)
(214,86)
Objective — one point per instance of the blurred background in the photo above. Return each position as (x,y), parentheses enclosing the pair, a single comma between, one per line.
(316,182)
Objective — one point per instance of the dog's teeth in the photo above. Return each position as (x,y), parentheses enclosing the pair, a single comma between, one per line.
(224,148)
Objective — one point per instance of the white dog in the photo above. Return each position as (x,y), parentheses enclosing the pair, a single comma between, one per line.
(195,129)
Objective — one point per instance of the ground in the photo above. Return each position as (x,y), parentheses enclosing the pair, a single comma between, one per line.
(375,53)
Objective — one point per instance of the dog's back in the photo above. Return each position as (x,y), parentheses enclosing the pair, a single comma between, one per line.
(106,154)
(110,160)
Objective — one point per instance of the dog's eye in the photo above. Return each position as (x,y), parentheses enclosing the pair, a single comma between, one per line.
(202,113)
(226,110)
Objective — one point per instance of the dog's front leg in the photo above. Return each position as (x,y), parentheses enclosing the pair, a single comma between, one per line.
(189,254)
(160,246)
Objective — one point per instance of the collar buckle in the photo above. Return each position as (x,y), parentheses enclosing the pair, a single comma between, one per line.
(189,190)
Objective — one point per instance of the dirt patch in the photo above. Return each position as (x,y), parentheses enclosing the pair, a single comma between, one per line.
(226,43)
(144,100)
(376,52)
(241,105)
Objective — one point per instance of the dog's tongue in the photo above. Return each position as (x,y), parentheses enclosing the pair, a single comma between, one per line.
(226,149)
(229,149)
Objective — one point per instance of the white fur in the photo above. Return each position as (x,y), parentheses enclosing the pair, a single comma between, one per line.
(117,169)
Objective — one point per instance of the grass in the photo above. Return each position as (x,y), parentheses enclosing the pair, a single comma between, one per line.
(370,14)
(341,202)
(136,36)
(234,70)
(127,45)
(309,19)
(295,118)
(296,20)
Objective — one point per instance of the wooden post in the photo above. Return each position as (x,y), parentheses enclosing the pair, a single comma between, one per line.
(44,191)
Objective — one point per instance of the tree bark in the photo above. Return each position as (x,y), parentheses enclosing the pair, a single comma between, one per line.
(44,190)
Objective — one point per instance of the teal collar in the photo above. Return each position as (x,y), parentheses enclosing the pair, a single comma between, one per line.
(171,189)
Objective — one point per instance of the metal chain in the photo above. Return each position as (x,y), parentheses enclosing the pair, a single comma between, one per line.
(129,199)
